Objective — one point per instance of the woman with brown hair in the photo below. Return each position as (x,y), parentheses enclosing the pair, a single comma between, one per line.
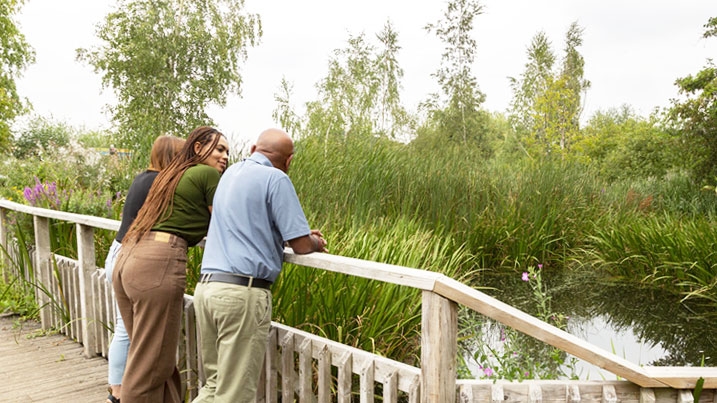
(163,151)
(150,275)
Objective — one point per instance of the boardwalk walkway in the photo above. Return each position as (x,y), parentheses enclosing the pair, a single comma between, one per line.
(35,367)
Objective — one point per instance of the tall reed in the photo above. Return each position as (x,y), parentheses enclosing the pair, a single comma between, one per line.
(375,316)
(507,215)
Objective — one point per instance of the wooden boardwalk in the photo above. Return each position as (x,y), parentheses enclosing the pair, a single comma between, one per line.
(37,367)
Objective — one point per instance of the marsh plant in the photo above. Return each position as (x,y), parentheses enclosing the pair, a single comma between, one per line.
(500,352)
(19,285)
(447,209)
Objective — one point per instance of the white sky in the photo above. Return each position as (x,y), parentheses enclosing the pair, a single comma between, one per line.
(634,50)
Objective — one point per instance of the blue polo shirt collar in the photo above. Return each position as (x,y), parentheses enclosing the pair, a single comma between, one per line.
(260,158)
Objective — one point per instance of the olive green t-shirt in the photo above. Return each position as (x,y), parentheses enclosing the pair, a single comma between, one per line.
(192,198)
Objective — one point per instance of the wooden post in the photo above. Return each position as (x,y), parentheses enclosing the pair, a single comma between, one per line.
(439,348)
(86,260)
(5,260)
(43,269)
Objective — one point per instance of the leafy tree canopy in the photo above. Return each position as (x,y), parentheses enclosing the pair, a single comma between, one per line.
(623,145)
(167,60)
(15,55)
(548,101)
(41,137)
(360,96)
(695,116)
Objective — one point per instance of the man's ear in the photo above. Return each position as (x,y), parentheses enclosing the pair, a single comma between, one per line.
(288,162)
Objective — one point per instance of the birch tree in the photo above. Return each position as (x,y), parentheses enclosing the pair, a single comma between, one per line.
(456,110)
(167,60)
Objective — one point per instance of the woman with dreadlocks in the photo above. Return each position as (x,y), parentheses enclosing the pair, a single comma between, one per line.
(149,278)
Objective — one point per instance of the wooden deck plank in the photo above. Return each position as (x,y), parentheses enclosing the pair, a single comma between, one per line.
(38,367)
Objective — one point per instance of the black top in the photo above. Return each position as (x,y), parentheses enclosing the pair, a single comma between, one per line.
(137,193)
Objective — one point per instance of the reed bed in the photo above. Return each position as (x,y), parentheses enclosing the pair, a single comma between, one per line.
(384,201)
(453,211)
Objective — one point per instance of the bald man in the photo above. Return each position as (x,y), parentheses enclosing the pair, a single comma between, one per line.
(255,211)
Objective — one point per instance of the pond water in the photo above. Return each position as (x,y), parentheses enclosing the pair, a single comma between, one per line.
(646,326)
(621,342)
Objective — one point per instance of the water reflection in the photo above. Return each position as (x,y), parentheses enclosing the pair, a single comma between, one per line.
(682,333)
(621,342)
(685,330)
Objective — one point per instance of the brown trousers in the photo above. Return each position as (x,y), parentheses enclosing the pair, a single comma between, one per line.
(149,281)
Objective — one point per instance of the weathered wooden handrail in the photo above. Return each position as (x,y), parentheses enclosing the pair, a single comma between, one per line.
(653,377)
(441,296)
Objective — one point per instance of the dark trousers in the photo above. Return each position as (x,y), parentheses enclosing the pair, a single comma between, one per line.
(149,281)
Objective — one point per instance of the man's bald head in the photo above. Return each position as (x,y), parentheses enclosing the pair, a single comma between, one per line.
(277,146)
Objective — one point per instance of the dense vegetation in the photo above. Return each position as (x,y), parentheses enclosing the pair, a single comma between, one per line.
(619,199)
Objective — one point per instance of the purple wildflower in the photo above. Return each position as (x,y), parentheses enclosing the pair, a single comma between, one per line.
(29,195)
(488,371)
(525,276)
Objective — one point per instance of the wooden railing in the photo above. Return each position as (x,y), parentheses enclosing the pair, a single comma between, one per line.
(299,364)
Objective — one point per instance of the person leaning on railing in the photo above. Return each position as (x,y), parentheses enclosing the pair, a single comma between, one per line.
(150,275)
(255,211)
(163,150)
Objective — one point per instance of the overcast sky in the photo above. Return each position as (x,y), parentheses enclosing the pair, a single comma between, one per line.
(633,50)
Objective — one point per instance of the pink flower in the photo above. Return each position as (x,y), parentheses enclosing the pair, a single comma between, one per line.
(525,276)
(488,371)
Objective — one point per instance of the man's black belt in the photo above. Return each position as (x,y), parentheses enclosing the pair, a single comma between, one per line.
(235,279)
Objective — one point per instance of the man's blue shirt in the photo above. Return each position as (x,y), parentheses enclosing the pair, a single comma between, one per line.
(255,210)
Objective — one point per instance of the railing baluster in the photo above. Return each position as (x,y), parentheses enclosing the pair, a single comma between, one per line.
(98,309)
(685,396)
(390,388)
(367,382)
(497,395)
(67,277)
(74,291)
(573,394)
(414,391)
(42,268)
(4,259)
(305,374)
(272,372)
(191,351)
(608,394)
(324,375)
(345,374)
(86,258)
(535,393)
(287,368)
